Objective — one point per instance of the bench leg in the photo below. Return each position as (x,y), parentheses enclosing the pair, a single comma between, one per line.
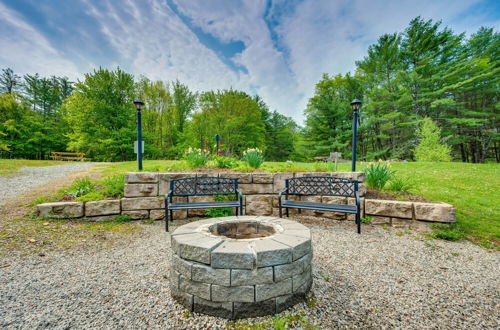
(171,216)
(287,213)
(280,212)
(166,219)
(358,222)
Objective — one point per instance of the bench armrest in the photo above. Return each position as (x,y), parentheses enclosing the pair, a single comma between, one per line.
(167,195)
(239,193)
(358,201)
(282,192)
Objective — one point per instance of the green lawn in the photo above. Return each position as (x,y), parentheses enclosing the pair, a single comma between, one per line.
(10,166)
(472,188)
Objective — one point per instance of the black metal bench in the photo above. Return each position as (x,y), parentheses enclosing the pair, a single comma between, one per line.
(204,186)
(321,186)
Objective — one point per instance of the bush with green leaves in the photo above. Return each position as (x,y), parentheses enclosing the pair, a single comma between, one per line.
(114,186)
(96,195)
(253,157)
(430,148)
(378,174)
(447,232)
(81,187)
(196,157)
(225,162)
(123,218)
(400,185)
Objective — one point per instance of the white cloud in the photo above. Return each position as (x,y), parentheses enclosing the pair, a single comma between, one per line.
(25,50)
(148,38)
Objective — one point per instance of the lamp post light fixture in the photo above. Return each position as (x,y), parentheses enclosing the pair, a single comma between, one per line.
(217,139)
(356,105)
(138,105)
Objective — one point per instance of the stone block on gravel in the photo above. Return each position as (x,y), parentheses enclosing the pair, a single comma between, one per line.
(158,214)
(244,310)
(439,212)
(141,189)
(198,289)
(105,207)
(236,255)
(267,291)
(300,245)
(219,309)
(137,214)
(375,220)
(263,177)
(243,293)
(251,276)
(201,273)
(271,252)
(194,247)
(60,210)
(388,208)
(401,223)
(141,177)
(141,203)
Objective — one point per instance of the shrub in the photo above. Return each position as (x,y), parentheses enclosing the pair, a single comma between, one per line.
(80,187)
(113,185)
(400,185)
(196,157)
(253,157)
(91,196)
(430,149)
(225,162)
(378,174)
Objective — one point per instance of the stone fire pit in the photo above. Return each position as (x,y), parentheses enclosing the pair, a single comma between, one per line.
(237,267)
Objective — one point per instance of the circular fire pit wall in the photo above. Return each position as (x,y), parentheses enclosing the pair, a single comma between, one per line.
(237,267)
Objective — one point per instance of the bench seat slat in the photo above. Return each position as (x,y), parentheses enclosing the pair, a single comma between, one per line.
(202,205)
(320,206)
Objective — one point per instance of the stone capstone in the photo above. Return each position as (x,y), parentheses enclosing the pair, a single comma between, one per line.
(439,212)
(388,208)
(60,210)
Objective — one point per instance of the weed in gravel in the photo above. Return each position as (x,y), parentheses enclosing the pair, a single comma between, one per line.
(324,276)
(311,300)
(123,218)
(455,254)
(148,221)
(366,220)
(446,232)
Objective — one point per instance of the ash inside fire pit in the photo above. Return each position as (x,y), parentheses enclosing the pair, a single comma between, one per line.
(242,230)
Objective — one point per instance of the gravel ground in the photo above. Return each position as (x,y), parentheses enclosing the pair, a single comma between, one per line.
(380,279)
(31,177)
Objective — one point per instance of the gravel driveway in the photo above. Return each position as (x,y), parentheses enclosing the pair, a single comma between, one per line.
(31,177)
(377,279)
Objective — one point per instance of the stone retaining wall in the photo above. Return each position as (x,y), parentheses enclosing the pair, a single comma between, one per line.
(144,200)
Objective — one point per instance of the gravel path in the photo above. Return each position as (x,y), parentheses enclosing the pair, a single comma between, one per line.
(379,279)
(31,177)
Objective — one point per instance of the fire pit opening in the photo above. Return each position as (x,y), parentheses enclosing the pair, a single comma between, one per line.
(242,230)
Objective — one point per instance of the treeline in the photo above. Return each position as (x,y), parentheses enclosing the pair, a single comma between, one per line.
(97,116)
(425,72)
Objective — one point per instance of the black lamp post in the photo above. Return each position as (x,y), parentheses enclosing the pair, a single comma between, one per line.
(356,105)
(138,105)
(217,139)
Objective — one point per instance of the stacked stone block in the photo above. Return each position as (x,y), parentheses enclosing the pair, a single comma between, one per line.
(144,193)
(234,278)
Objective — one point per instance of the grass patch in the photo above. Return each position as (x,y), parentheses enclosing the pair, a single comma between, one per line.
(278,322)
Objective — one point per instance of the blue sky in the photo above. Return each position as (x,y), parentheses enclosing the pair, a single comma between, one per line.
(277,49)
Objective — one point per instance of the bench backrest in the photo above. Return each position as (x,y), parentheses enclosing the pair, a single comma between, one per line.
(203,186)
(321,185)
